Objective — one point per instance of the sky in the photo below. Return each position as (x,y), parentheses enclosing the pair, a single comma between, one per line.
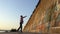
(10,11)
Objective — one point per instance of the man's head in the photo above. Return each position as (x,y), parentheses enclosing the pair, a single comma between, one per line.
(21,16)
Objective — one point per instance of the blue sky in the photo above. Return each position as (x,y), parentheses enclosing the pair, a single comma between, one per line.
(10,11)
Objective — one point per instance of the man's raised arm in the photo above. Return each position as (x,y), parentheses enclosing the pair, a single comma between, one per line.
(24,16)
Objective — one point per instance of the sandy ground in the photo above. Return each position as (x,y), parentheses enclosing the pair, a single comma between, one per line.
(10,33)
(25,33)
(17,33)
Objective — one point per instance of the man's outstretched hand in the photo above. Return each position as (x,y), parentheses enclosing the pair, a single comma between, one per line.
(24,16)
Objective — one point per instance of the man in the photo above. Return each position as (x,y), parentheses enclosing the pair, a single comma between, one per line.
(21,22)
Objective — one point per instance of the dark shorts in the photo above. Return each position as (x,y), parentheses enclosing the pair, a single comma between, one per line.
(21,24)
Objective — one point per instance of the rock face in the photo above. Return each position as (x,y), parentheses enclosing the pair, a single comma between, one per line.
(45,16)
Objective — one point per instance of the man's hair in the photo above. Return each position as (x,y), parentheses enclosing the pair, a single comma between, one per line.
(21,16)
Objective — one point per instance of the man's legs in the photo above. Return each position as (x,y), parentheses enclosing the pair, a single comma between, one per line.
(18,29)
(21,27)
